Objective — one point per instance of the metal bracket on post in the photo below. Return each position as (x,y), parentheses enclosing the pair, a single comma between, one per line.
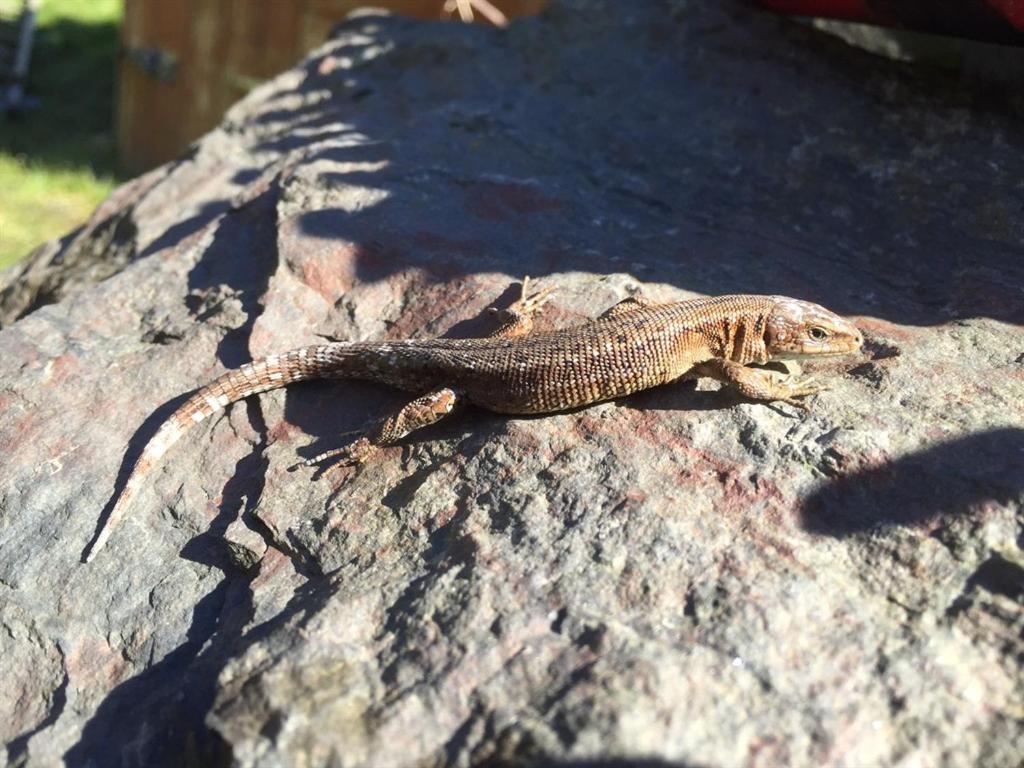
(155,62)
(14,97)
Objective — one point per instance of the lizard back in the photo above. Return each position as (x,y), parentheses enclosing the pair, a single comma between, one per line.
(551,370)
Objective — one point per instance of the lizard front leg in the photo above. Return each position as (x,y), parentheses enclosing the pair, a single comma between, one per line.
(421,412)
(758,384)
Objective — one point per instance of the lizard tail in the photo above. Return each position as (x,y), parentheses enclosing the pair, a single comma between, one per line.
(260,376)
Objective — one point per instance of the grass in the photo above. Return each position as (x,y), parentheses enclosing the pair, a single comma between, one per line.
(57,162)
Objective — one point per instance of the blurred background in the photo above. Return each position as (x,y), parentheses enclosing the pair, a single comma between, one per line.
(116,87)
(58,159)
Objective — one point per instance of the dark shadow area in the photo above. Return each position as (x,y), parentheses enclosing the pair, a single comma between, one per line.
(238,264)
(239,498)
(968,18)
(997,576)
(155,713)
(184,229)
(597,762)
(246,276)
(136,445)
(950,479)
(167,703)
(17,746)
(684,396)
(149,719)
(851,244)
(158,716)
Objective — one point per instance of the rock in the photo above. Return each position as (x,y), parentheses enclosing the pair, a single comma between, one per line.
(246,547)
(677,578)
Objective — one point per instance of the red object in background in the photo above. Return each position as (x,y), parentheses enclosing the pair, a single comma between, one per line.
(994,21)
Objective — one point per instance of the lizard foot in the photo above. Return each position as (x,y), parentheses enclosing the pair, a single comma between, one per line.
(789,391)
(517,320)
(528,304)
(531,303)
(353,454)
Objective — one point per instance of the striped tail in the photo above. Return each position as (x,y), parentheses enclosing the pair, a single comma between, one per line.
(273,372)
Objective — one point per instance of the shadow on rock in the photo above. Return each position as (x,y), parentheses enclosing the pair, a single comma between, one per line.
(248,232)
(952,478)
(158,717)
(136,445)
(238,263)
(606,762)
(499,213)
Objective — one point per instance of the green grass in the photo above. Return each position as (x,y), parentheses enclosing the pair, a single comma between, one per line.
(59,161)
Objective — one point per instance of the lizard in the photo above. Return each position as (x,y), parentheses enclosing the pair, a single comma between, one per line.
(635,345)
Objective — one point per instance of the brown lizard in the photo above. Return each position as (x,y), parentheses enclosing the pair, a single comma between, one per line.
(635,345)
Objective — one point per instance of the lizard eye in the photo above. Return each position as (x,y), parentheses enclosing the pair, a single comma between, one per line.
(816,333)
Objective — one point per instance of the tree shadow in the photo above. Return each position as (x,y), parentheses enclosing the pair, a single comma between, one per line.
(601,762)
(239,262)
(158,717)
(769,234)
(182,230)
(950,479)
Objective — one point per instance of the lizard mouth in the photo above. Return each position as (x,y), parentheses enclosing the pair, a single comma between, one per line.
(816,355)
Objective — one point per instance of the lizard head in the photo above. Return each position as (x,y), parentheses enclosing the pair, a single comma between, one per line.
(799,329)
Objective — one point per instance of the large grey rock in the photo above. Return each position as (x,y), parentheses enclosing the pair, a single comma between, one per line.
(680,577)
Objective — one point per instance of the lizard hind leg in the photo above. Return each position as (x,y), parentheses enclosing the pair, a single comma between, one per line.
(421,412)
(517,320)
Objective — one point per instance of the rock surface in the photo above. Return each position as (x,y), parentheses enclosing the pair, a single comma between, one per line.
(681,577)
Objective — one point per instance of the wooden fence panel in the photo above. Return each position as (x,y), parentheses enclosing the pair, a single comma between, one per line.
(185,62)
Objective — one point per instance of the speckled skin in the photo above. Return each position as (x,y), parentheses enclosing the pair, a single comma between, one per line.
(625,352)
(633,346)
